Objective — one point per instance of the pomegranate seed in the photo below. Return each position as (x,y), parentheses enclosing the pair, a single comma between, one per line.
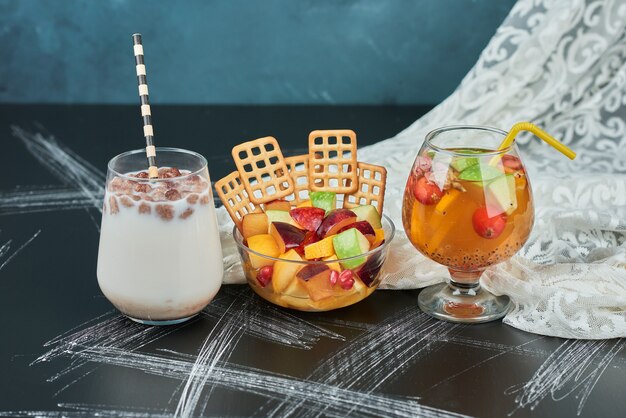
(334,276)
(346,279)
(264,276)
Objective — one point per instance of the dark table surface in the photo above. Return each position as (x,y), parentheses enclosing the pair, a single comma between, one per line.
(64,351)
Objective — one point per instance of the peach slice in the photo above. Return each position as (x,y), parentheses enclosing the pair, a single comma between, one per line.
(285,271)
(262,244)
(287,236)
(279,204)
(316,280)
(254,224)
(296,289)
(334,221)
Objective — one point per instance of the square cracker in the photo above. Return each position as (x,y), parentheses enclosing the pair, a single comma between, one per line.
(371,187)
(234,196)
(263,170)
(298,167)
(332,161)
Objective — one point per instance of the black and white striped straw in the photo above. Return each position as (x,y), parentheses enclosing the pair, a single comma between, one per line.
(148,131)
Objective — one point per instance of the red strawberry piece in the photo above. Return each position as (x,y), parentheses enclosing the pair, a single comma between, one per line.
(308,218)
(488,227)
(426,192)
(511,164)
(264,275)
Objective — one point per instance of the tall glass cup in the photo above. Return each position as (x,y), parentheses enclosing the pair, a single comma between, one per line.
(160,259)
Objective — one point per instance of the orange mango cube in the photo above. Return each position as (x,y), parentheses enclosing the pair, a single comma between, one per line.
(320,249)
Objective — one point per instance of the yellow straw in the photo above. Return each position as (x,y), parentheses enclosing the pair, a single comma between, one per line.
(527,126)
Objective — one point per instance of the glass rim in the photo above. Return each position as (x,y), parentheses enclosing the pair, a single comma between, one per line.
(158,149)
(432,134)
(240,244)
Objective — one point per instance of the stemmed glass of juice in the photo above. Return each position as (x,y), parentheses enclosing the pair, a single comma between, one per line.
(467,205)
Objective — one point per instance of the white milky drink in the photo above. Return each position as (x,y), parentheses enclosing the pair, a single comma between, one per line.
(160,259)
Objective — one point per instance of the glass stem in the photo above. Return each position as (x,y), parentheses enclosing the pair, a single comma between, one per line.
(464,283)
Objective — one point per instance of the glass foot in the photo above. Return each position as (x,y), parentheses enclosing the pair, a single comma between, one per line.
(462,303)
(166,322)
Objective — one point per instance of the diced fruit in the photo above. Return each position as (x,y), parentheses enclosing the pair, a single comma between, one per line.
(264,275)
(308,218)
(285,271)
(279,204)
(364,227)
(305,204)
(486,226)
(511,164)
(426,192)
(346,279)
(320,249)
(262,244)
(316,279)
(368,271)
(324,200)
(446,200)
(351,243)
(501,194)
(309,238)
(254,224)
(379,237)
(480,172)
(286,236)
(279,216)
(333,266)
(461,163)
(296,289)
(334,221)
(368,213)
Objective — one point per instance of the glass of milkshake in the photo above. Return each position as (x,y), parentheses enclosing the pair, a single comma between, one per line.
(160,259)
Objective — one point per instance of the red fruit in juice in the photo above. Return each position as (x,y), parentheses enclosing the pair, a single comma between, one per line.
(308,218)
(488,227)
(426,192)
(264,276)
(511,164)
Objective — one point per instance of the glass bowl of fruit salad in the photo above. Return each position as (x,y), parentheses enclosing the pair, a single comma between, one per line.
(315,256)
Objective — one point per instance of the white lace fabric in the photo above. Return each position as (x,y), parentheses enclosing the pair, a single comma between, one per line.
(560,64)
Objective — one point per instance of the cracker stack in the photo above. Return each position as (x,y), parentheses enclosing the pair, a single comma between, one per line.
(264,174)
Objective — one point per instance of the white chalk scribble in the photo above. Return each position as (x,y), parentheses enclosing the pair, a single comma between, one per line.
(310,395)
(374,358)
(5,257)
(33,199)
(573,368)
(68,167)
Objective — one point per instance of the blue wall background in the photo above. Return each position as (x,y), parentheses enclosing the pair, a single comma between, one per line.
(243,52)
